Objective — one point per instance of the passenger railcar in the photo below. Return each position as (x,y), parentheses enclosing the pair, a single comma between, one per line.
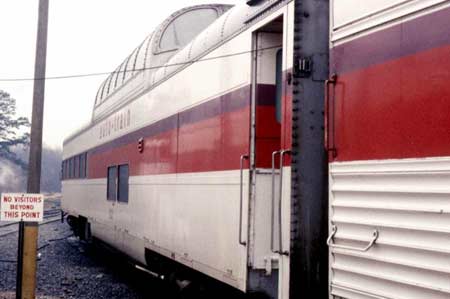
(389,148)
(291,148)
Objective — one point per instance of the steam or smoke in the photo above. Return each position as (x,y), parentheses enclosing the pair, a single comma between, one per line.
(12,177)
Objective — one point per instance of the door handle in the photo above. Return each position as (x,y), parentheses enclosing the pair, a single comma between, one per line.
(241,198)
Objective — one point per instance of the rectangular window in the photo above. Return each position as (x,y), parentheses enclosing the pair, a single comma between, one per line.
(73,167)
(70,168)
(76,165)
(82,166)
(62,169)
(66,170)
(85,165)
(112,183)
(123,183)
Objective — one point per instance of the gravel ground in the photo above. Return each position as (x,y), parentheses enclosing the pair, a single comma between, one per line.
(69,269)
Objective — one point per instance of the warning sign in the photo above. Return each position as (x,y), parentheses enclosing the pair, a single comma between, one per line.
(21,207)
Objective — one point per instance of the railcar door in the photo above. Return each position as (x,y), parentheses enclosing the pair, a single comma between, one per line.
(270,180)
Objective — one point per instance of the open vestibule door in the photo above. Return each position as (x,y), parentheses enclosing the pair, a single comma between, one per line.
(270,181)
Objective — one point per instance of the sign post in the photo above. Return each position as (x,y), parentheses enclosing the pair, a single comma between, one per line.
(28,231)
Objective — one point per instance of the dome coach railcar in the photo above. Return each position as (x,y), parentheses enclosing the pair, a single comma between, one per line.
(294,149)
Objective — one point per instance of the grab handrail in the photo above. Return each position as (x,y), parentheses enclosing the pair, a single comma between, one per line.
(272,233)
(241,189)
(280,200)
(375,235)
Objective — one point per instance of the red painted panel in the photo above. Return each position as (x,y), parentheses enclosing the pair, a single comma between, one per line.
(235,137)
(399,109)
(200,146)
(214,144)
(266,123)
(159,157)
(265,148)
(268,132)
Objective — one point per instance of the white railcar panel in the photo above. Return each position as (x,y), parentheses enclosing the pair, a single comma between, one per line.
(192,217)
(288,36)
(284,263)
(353,18)
(268,47)
(408,202)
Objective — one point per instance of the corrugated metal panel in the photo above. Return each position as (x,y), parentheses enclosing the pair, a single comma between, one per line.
(408,203)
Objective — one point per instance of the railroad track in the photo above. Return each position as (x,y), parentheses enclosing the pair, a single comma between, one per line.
(50,216)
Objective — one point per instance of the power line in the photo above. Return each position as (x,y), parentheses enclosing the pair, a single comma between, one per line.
(135,70)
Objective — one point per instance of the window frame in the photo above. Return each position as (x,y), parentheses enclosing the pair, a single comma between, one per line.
(76,166)
(109,196)
(119,179)
(70,168)
(158,49)
(66,169)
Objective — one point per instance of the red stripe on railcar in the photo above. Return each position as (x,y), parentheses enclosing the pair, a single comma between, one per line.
(209,137)
(398,109)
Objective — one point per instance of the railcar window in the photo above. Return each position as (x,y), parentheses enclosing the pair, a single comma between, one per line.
(73,167)
(70,168)
(80,169)
(184,28)
(76,166)
(111,191)
(279,84)
(123,183)
(83,166)
(66,170)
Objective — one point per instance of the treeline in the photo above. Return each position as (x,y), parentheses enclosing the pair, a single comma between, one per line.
(14,143)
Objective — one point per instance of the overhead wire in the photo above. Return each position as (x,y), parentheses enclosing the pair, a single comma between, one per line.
(137,70)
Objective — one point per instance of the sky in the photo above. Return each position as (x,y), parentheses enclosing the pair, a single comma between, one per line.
(84,36)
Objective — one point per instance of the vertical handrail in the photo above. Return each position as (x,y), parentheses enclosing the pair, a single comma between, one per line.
(328,146)
(272,233)
(280,200)
(241,189)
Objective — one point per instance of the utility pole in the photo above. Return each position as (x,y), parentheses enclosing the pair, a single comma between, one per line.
(28,232)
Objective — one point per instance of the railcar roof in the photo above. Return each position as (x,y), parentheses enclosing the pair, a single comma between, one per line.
(156,57)
(167,39)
